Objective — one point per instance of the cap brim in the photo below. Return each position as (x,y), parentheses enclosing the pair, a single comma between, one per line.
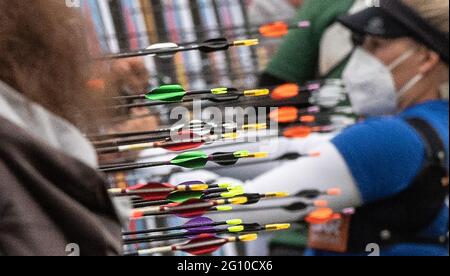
(373,21)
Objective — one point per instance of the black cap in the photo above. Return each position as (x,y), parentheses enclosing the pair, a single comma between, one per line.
(394,19)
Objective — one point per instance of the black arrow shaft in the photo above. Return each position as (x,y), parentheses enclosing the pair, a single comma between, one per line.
(134,167)
(168,237)
(168,229)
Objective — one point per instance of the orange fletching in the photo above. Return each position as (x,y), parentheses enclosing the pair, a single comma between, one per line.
(285,91)
(315,154)
(274,30)
(320,216)
(321,203)
(334,192)
(308,119)
(297,132)
(284,115)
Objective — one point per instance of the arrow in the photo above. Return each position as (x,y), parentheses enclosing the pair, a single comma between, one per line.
(322,216)
(161,97)
(198,127)
(305,131)
(291,114)
(236,191)
(166,50)
(243,228)
(294,207)
(275,29)
(196,223)
(228,129)
(182,145)
(280,28)
(333,96)
(176,93)
(292,90)
(313,194)
(196,207)
(191,160)
(174,195)
(255,198)
(201,245)
(181,197)
(315,114)
(159,191)
(291,156)
(189,209)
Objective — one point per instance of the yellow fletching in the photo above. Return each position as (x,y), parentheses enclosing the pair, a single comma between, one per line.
(236,188)
(247,42)
(225,185)
(241,154)
(199,188)
(259,155)
(257,93)
(248,238)
(239,200)
(224,208)
(254,126)
(277,227)
(234,222)
(236,229)
(231,136)
(219,91)
(277,195)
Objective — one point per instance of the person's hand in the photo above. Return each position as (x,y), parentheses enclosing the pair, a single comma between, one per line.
(131,75)
(141,123)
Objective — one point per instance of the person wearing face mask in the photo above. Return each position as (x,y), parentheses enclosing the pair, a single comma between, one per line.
(393,167)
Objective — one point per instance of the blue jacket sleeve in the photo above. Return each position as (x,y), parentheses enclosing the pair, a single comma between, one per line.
(384,155)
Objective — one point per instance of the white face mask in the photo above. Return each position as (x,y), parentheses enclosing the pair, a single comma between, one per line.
(371,86)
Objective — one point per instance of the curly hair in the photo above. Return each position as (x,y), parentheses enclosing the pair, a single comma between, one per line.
(45,57)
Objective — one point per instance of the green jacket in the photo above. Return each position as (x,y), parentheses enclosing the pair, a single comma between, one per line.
(297,59)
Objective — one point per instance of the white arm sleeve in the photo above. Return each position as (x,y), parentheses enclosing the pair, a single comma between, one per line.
(327,171)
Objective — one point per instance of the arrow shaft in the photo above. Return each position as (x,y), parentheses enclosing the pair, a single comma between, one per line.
(146,191)
(168,237)
(269,208)
(129,141)
(193,246)
(142,146)
(158,52)
(193,126)
(134,167)
(148,203)
(125,134)
(167,229)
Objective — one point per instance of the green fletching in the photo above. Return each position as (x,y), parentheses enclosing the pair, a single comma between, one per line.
(169,93)
(181,197)
(191,160)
